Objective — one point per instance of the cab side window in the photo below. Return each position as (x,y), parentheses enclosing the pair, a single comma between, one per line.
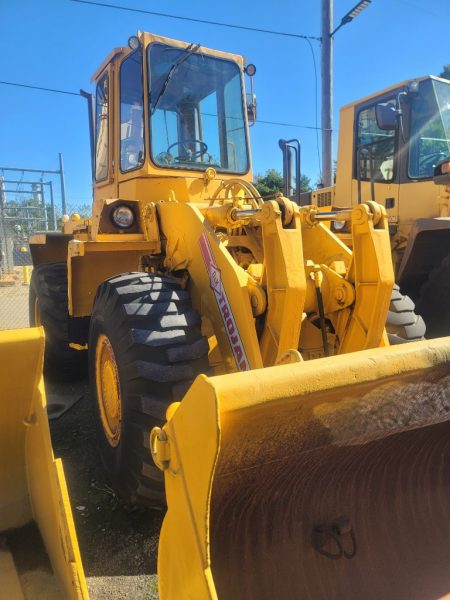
(101,129)
(375,148)
(131,113)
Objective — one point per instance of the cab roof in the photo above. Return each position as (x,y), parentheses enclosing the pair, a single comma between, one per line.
(402,84)
(146,38)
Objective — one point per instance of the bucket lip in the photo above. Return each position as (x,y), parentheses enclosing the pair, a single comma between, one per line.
(400,362)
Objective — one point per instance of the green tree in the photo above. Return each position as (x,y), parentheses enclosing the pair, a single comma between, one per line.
(272,182)
(26,216)
(445,72)
(84,210)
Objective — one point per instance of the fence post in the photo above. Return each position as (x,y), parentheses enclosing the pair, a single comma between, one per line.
(52,204)
(63,184)
(6,249)
(44,208)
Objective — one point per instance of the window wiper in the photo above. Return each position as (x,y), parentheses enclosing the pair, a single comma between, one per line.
(189,50)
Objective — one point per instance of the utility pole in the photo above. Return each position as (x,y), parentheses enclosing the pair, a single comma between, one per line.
(327,81)
(327,92)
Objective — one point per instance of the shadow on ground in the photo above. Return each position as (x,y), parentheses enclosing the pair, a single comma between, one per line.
(118,545)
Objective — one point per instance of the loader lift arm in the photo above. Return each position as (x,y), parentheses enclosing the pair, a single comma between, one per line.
(356,300)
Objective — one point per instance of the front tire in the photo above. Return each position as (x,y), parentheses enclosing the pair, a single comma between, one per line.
(403,324)
(48,306)
(434,300)
(145,349)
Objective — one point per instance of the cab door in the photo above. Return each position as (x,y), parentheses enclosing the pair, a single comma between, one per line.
(375,160)
(105,184)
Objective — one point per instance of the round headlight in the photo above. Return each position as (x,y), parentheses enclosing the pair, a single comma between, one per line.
(123,217)
(338,225)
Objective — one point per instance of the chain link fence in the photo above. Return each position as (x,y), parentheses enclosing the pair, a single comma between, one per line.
(17,223)
(15,268)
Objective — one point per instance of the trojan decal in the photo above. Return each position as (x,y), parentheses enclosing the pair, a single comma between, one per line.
(215,281)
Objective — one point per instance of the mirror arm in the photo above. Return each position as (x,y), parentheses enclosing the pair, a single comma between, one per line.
(252,102)
(400,114)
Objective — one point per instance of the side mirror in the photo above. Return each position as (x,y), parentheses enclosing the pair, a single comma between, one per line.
(441,175)
(250,71)
(251,108)
(387,116)
(291,150)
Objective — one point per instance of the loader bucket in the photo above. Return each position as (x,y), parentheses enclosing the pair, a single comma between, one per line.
(39,556)
(327,479)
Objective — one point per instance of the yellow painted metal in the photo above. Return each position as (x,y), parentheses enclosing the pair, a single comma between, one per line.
(152,183)
(218,285)
(357,302)
(284,276)
(90,263)
(46,247)
(113,54)
(239,265)
(281,285)
(32,483)
(108,390)
(253,462)
(372,273)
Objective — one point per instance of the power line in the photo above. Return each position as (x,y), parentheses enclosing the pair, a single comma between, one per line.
(289,125)
(316,104)
(422,8)
(192,19)
(56,91)
(44,89)
(307,38)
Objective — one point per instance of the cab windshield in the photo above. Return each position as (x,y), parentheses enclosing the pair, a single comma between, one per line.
(430,128)
(196,111)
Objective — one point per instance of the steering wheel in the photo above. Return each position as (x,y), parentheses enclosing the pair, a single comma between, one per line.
(190,155)
(229,189)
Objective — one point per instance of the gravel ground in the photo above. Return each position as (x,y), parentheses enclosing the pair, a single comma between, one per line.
(118,545)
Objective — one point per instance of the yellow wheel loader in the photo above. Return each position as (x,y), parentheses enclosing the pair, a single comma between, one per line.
(394,147)
(39,556)
(307,458)
(183,269)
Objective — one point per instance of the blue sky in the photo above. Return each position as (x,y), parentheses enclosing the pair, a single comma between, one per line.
(59,44)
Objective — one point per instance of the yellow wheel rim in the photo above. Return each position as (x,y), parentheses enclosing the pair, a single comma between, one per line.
(37,313)
(108,390)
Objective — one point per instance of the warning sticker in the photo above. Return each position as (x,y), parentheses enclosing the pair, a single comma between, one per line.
(215,281)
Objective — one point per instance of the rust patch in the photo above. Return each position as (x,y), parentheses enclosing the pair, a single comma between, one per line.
(380,462)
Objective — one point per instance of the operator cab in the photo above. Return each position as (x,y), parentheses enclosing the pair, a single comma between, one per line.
(165,108)
(399,135)
(421,113)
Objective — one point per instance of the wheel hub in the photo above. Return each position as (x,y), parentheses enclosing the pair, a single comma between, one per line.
(108,390)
